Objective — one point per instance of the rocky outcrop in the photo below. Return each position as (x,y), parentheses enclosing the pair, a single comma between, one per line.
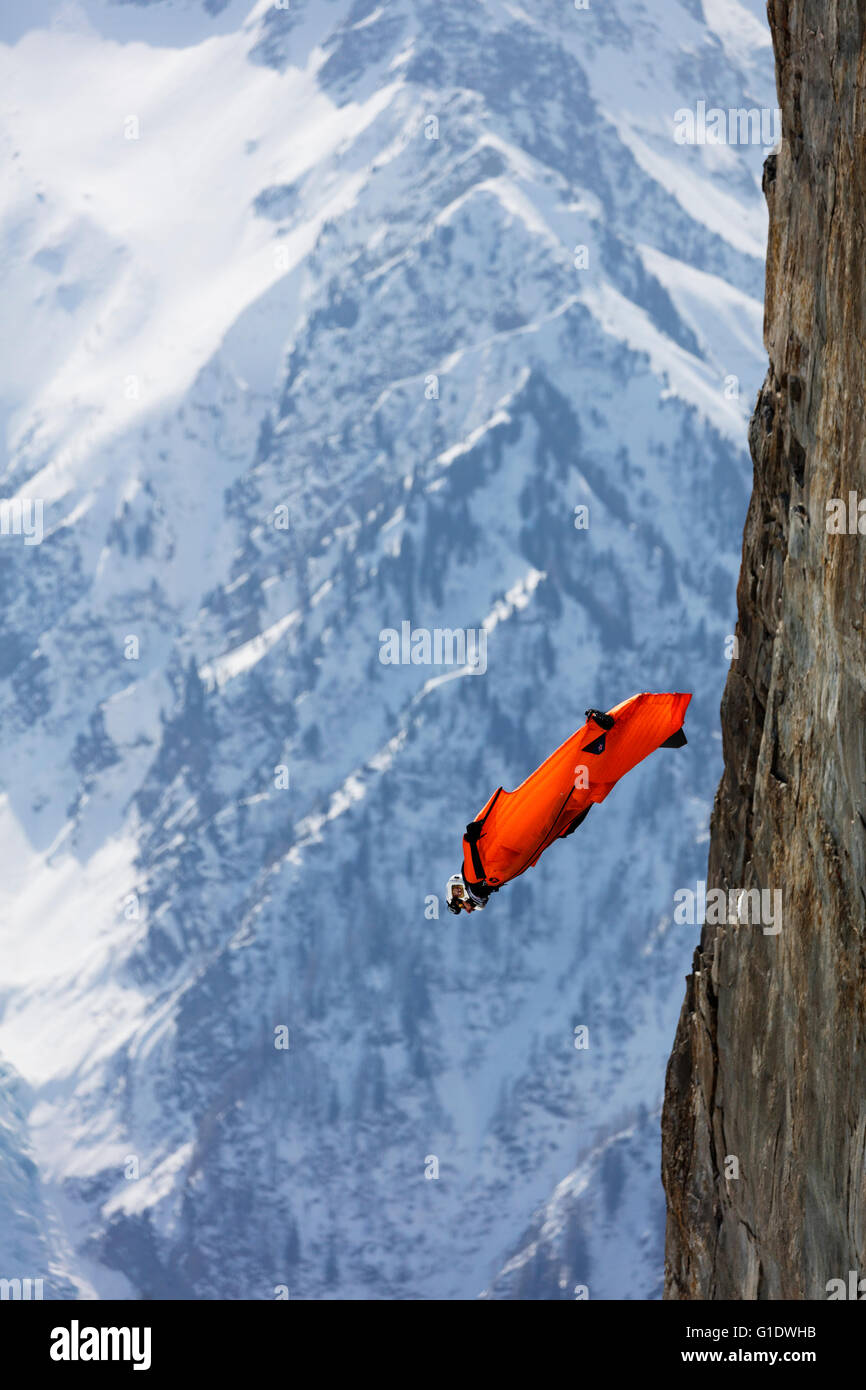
(764,1122)
(374,391)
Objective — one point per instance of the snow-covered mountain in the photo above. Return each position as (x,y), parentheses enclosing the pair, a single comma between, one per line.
(320,321)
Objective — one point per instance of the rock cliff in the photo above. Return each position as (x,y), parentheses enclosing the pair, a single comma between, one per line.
(765,1113)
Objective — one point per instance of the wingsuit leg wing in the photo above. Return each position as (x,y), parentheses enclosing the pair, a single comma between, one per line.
(514,828)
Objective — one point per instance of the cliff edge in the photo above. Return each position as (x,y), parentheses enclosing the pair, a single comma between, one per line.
(764,1122)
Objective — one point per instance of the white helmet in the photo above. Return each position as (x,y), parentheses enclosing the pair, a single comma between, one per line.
(458,895)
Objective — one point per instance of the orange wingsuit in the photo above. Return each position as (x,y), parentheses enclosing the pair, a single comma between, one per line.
(514,828)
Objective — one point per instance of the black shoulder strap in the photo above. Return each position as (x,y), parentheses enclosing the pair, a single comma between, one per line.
(473,832)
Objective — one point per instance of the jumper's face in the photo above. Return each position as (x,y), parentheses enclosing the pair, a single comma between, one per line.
(458,896)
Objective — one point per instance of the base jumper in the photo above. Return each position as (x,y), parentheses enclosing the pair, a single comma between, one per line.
(514,829)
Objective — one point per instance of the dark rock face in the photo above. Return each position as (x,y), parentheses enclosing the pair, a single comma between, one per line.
(769,1061)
